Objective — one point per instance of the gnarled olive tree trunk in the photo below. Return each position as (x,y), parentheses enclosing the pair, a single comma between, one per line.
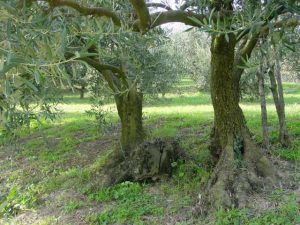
(241,167)
(138,160)
(129,106)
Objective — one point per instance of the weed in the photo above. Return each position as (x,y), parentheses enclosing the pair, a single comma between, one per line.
(15,201)
(231,217)
(71,206)
(188,177)
(73,177)
(131,204)
(287,213)
(290,154)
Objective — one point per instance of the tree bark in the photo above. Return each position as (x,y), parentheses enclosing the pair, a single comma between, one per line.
(283,132)
(279,105)
(129,106)
(263,106)
(241,166)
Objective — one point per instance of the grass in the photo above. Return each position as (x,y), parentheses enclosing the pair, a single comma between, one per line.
(68,154)
(285,214)
(132,202)
(72,206)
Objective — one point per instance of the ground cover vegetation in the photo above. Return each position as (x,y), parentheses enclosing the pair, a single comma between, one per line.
(184,134)
(50,174)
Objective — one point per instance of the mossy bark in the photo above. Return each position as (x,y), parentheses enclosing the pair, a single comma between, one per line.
(240,166)
(225,88)
(129,106)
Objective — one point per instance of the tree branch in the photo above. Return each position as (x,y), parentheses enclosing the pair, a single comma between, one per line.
(160,18)
(186,5)
(291,22)
(245,52)
(158,5)
(95,11)
(111,81)
(142,13)
(99,66)
(280,10)
(102,68)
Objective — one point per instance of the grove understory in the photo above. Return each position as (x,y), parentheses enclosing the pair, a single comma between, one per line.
(53,174)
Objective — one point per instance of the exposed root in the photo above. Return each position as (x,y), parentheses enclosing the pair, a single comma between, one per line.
(214,146)
(236,176)
(148,162)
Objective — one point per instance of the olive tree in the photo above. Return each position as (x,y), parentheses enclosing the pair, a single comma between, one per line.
(235,28)
(127,62)
(163,67)
(61,38)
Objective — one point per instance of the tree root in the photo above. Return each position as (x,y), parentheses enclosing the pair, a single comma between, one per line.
(235,177)
(148,162)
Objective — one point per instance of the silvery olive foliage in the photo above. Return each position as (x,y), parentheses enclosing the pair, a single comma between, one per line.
(39,37)
(42,49)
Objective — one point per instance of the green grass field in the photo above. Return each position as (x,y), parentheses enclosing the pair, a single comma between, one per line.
(48,174)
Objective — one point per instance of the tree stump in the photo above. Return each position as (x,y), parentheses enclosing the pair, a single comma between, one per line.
(150,161)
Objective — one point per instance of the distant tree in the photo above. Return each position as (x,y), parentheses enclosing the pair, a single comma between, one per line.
(161,68)
(263,105)
(78,76)
(290,50)
(193,49)
(274,72)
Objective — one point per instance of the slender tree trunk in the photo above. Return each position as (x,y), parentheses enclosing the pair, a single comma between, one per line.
(241,166)
(263,106)
(129,105)
(283,132)
(82,90)
(279,104)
